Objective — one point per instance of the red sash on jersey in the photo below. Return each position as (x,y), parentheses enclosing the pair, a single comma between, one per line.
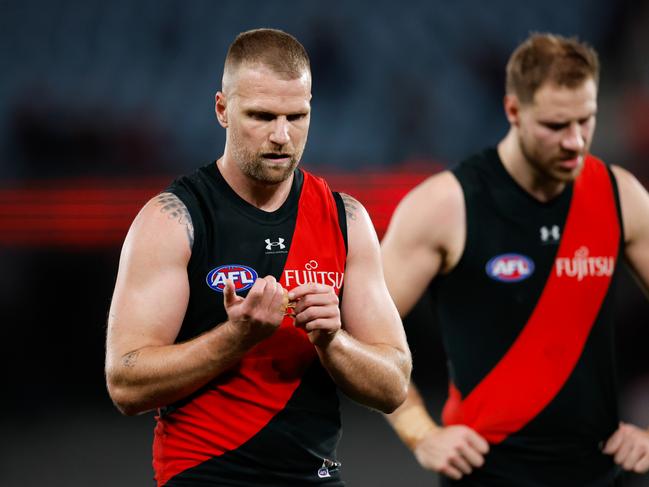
(241,402)
(543,356)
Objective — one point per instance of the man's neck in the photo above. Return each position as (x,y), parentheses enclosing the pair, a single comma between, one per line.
(265,196)
(537,184)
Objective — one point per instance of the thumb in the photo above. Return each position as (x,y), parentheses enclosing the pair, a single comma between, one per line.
(229,294)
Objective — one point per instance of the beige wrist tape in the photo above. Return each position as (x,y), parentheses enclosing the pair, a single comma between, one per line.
(412,425)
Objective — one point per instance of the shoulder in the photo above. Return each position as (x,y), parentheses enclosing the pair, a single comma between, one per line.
(354,210)
(357,217)
(430,221)
(437,200)
(171,206)
(631,191)
(634,202)
(443,187)
(163,224)
(361,235)
(624,178)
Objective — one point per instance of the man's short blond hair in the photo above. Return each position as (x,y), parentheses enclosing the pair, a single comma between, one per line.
(280,52)
(549,58)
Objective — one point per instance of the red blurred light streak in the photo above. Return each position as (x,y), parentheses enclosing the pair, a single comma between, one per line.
(91,214)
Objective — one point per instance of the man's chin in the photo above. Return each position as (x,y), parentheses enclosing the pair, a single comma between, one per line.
(568,169)
(274,175)
(567,175)
(266,171)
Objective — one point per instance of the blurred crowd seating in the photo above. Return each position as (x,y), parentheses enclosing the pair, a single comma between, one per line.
(127,87)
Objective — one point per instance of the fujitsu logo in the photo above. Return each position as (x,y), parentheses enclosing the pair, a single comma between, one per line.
(311,273)
(583,265)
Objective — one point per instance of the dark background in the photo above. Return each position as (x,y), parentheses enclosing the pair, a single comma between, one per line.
(120,94)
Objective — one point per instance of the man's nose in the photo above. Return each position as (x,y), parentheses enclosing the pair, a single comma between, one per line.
(279,135)
(574,139)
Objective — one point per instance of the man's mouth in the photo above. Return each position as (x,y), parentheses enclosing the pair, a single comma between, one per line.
(276,156)
(570,162)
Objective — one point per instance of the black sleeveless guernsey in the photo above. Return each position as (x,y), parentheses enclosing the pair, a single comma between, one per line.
(526,321)
(273,420)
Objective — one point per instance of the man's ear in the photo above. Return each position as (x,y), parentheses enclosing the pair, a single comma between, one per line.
(220,109)
(512,107)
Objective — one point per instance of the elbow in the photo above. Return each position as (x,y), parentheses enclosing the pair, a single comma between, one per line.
(128,408)
(395,395)
(399,392)
(125,404)
(395,399)
(385,398)
(124,398)
(388,407)
(121,401)
(402,394)
(394,391)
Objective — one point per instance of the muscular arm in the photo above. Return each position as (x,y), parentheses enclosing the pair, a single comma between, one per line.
(425,237)
(368,357)
(145,369)
(629,444)
(634,201)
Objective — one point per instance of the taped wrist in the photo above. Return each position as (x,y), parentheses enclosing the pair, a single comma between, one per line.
(412,425)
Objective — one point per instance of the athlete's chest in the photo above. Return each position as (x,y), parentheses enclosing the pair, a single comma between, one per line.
(238,238)
(295,250)
(509,246)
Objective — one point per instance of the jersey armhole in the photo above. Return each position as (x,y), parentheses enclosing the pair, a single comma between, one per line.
(192,205)
(342,217)
(618,205)
(469,222)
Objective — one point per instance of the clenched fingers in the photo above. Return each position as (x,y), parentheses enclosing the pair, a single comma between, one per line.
(461,463)
(478,443)
(451,472)
(473,456)
(629,446)
(309,288)
(316,300)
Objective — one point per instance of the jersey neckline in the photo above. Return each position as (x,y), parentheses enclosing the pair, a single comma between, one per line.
(491,154)
(288,207)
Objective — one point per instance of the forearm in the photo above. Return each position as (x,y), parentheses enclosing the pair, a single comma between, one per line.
(153,376)
(375,375)
(411,420)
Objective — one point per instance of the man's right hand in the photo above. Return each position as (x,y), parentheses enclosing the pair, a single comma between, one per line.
(260,313)
(453,451)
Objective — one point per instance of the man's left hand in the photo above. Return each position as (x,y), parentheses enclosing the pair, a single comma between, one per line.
(630,447)
(317,311)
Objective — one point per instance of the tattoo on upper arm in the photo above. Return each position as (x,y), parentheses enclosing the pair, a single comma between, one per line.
(130,359)
(176,210)
(351,206)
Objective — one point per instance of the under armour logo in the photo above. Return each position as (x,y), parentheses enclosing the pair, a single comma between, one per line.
(270,245)
(551,234)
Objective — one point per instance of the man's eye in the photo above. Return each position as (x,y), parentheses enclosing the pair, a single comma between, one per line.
(556,126)
(263,116)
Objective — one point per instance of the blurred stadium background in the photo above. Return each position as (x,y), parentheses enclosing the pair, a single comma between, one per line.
(103,103)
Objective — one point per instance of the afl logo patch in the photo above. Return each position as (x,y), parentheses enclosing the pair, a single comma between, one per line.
(242,276)
(510,267)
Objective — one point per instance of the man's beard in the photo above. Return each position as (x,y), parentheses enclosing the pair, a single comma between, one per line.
(546,167)
(258,168)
